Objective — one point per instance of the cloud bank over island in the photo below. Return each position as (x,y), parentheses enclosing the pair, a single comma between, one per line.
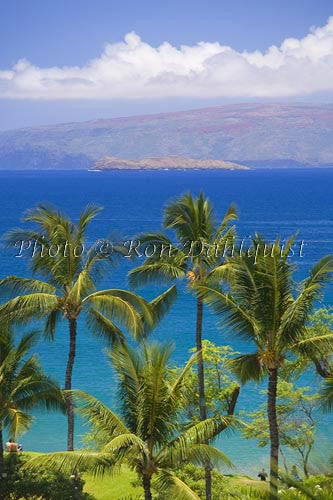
(133,69)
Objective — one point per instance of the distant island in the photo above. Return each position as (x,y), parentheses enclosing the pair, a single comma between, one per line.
(258,135)
(164,162)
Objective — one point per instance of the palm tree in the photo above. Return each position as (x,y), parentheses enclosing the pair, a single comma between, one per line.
(23,386)
(327,394)
(69,288)
(201,245)
(263,304)
(148,435)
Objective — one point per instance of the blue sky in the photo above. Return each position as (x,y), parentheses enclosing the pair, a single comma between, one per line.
(62,34)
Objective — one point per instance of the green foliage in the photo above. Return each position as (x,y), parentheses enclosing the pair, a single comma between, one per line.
(39,484)
(71,277)
(195,478)
(200,247)
(148,436)
(224,487)
(70,288)
(321,321)
(295,407)
(319,351)
(264,304)
(23,384)
(314,488)
(220,382)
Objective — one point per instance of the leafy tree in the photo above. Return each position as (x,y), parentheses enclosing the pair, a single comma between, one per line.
(297,427)
(201,245)
(146,436)
(69,289)
(263,304)
(221,389)
(194,477)
(23,386)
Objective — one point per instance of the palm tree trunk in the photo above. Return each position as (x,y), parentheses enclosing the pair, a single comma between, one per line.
(273,432)
(201,384)
(201,374)
(68,384)
(1,453)
(146,483)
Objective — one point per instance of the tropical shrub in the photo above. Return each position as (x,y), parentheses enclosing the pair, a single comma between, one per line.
(37,484)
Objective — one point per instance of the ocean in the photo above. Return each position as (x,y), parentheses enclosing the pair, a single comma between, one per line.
(270,201)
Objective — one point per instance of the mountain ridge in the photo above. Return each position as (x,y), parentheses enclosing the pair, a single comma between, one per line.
(256,135)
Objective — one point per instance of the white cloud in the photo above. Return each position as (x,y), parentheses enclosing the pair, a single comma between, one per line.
(135,69)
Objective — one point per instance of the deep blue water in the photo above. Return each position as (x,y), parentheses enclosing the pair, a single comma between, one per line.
(274,202)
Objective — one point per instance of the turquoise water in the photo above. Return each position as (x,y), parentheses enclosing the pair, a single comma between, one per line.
(270,201)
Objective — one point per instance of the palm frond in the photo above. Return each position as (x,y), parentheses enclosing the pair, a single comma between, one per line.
(75,461)
(16,420)
(197,454)
(88,214)
(128,364)
(125,307)
(162,271)
(126,441)
(190,217)
(25,307)
(26,342)
(230,215)
(203,431)
(160,306)
(178,384)
(247,367)
(201,454)
(327,395)
(50,325)
(234,316)
(82,287)
(223,272)
(293,321)
(14,285)
(98,415)
(38,391)
(169,485)
(103,327)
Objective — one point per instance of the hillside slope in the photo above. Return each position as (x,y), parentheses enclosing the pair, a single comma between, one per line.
(250,134)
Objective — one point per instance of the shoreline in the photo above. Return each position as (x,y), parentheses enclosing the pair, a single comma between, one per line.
(172,169)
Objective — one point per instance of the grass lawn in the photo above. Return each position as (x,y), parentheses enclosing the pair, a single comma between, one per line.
(245,481)
(117,487)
